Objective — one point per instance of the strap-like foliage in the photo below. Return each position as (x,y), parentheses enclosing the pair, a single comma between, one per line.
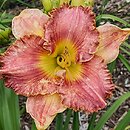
(111,110)
(9,109)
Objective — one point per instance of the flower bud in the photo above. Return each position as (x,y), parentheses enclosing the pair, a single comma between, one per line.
(55,3)
(77,2)
(47,5)
(89,3)
(82,2)
(64,1)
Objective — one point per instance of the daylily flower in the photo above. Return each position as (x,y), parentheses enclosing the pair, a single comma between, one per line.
(59,61)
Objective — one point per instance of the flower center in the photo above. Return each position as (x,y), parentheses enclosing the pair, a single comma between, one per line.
(64,60)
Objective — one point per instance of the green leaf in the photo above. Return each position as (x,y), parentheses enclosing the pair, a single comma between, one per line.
(124,61)
(59,121)
(13,109)
(92,121)
(124,50)
(75,125)
(33,127)
(3,15)
(5,118)
(1,105)
(4,34)
(2,27)
(112,66)
(110,111)
(67,120)
(126,45)
(5,21)
(9,110)
(3,4)
(124,122)
(112,17)
(2,50)
(104,3)
(128,127)
(26,4)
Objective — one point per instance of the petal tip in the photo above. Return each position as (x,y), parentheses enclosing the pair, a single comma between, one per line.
(29,22)
(111,37)
(43,108)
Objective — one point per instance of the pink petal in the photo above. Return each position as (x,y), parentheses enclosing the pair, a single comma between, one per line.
(111,38)
(75,24)
(20,67)
(44,108)
(89,93)
(29,22)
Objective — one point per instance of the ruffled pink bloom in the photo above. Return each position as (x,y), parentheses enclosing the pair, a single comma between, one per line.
(59,62)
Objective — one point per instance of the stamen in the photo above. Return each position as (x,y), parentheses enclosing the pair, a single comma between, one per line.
(64,60)
(60,59)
